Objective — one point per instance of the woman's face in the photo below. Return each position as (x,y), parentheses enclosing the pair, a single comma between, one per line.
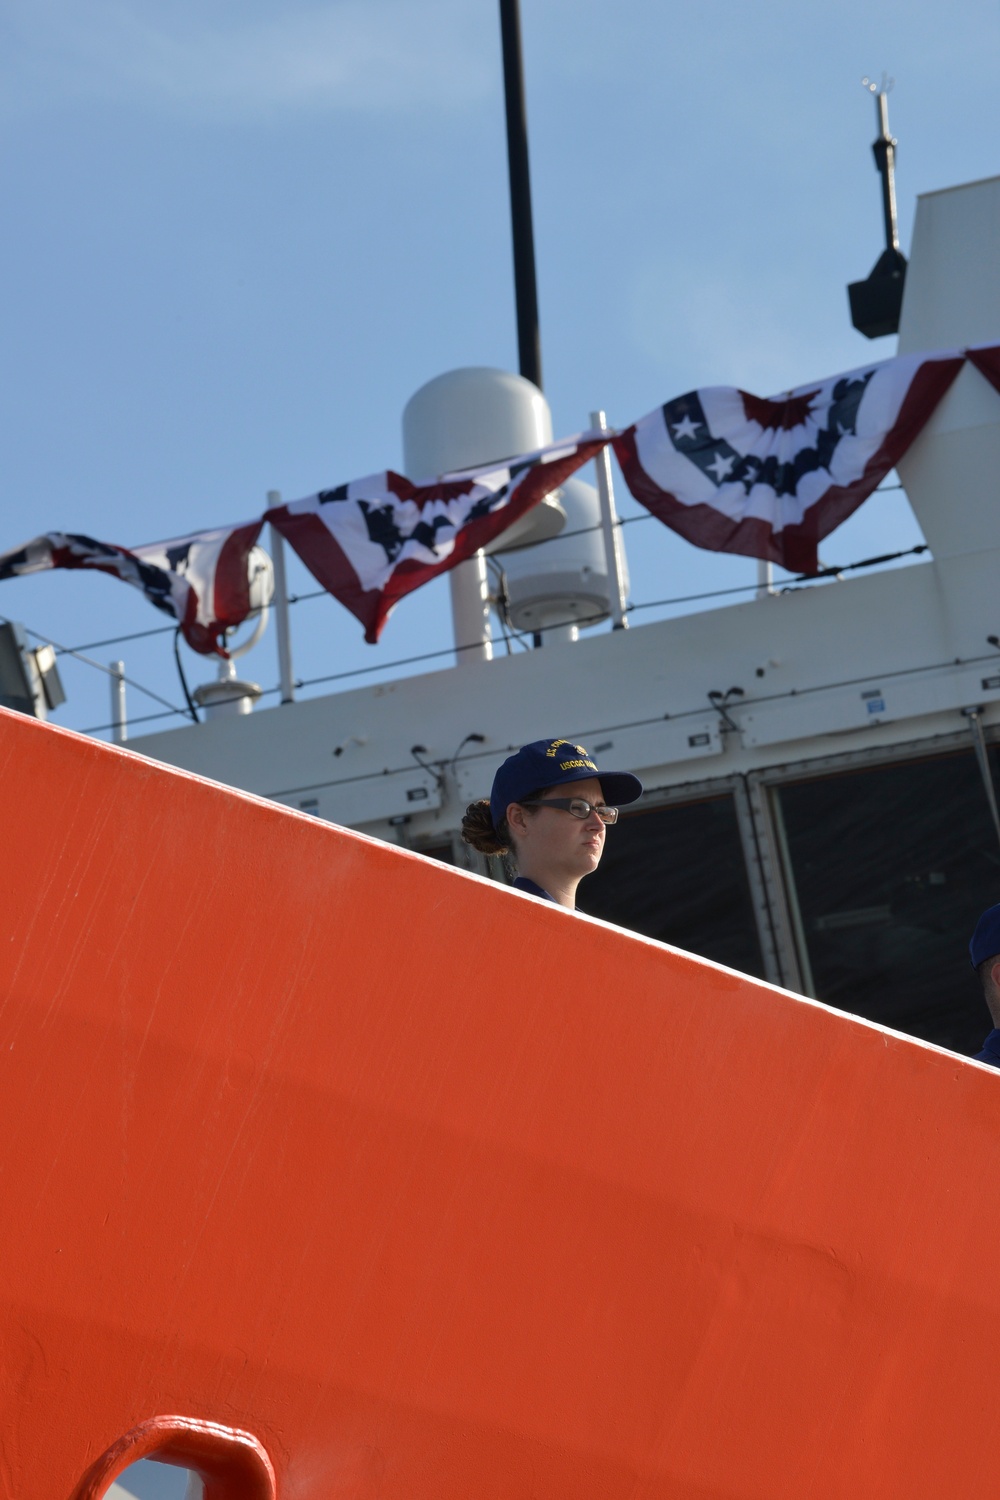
(554,839)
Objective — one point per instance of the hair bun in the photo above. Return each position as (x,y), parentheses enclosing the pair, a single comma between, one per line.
(478,830)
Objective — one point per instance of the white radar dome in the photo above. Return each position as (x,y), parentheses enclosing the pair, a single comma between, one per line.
(564,582)
(467,418)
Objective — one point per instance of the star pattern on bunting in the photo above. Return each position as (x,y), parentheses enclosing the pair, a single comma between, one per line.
(685,428)
(731,471)
(721,465)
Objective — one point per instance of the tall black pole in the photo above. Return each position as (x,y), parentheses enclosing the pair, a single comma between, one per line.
(529,347)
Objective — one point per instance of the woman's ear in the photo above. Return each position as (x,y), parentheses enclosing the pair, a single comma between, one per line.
(516,819)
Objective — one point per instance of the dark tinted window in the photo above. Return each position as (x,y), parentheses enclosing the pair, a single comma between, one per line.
(443,852)
(676,873)
(892,866)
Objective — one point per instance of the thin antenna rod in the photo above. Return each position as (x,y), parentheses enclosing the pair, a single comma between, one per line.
(529,347)
(877,302)
(884,151)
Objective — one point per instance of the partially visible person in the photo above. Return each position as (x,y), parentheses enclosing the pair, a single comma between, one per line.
(547,813)
(984,950)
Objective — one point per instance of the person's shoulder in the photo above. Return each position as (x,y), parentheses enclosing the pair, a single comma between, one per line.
(990,1052)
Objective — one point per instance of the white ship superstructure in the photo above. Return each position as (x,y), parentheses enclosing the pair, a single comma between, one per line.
(819,804)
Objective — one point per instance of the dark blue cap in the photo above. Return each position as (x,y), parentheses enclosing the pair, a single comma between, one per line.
(554,763)
(986,938)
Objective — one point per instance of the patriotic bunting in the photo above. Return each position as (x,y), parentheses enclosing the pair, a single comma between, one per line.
(201,580)
(729,471)
(986,359)
(374,540)
(770,478)
(210,577)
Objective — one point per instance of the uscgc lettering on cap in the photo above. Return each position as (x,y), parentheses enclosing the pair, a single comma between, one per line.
(564,765)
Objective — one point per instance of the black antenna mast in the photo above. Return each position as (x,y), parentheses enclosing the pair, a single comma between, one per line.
(877,302)
(529,346)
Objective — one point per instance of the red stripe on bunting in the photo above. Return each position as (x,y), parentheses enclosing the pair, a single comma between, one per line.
(231,604)
(795,547)
(987,361)
(314,543)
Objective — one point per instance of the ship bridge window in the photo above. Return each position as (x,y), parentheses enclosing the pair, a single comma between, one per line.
(677,873)
(890,865)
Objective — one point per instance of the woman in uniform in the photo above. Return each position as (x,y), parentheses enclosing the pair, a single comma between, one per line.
(548,812)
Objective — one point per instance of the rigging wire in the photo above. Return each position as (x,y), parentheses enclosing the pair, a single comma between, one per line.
(115,640)
(75,652)
(136,719)
(793,586)
(148,718)
(562,536)
(510,635)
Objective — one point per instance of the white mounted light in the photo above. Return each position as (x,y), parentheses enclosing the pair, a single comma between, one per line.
(29,679)
(229,694)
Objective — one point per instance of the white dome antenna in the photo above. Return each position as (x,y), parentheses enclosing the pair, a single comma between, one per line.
(461,420)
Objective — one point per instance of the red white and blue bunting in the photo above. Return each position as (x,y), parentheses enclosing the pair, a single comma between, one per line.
(374,540)
(986,358)
(202,581)
(729,471)
(770,478)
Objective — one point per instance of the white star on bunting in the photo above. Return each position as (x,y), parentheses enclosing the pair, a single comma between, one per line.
(720,468)
(685,428)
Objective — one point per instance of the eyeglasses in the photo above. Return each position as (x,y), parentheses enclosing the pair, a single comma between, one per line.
(577,807)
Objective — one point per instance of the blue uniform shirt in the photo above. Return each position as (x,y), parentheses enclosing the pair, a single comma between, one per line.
(991,1049)
(522,883)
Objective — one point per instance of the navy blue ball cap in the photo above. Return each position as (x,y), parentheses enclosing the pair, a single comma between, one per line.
(547,763)
(986,938)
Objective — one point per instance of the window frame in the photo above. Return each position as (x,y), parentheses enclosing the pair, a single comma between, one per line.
(763,787)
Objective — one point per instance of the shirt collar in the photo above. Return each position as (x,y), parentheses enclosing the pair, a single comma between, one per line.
(522,883)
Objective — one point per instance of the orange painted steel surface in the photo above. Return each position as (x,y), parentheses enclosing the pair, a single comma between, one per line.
(441,1193)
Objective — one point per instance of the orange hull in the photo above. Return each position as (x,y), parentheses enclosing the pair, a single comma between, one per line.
(440,1193)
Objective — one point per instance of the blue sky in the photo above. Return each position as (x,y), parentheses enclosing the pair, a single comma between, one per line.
(241,235)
